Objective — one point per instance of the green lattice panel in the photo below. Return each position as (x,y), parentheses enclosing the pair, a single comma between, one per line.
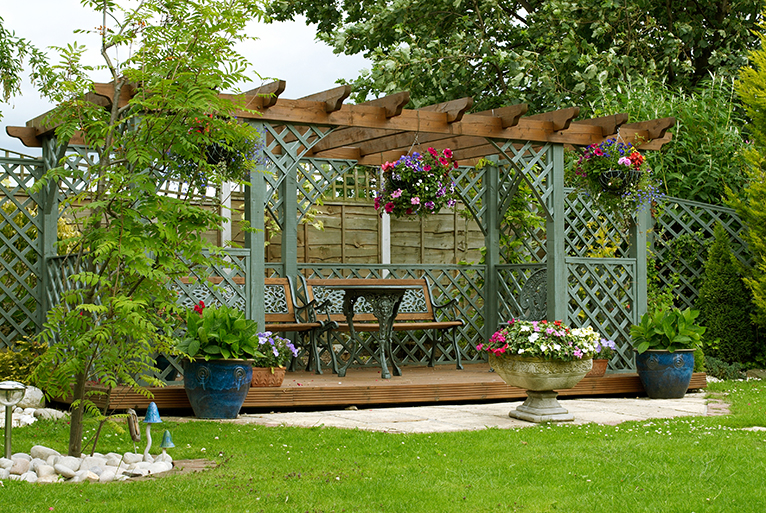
(470,186)
(20,250)
(588,230)
(677,221)
(413,348)
(286,147)
(317,178)
(349,181)
(601,292)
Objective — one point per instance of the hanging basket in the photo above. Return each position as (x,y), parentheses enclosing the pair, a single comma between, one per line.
(619,180)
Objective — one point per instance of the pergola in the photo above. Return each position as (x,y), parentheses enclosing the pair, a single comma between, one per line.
(310,141)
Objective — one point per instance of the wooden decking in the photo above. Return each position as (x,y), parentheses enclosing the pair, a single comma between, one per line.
(364,387)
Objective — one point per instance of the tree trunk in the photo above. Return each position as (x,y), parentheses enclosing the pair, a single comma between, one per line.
(75,422)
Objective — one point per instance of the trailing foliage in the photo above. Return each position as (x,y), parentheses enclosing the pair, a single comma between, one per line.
(725,305)
(168,61)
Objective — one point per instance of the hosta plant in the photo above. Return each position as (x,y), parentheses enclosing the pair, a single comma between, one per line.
(668,329)
(219,332)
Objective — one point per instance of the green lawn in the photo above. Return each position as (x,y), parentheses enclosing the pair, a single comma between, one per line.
(689,464)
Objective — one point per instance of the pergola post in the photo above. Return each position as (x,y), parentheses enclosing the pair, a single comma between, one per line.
(556,240)
(288,191)
(48,204)
(638,248)
(492,244)
(255,201)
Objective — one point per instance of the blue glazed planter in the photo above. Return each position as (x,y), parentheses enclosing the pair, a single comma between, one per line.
(665,375)
(217,388)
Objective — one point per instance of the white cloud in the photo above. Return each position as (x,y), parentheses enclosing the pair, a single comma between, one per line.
(286,51)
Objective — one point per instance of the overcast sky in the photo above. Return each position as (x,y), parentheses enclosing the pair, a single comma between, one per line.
(284,50)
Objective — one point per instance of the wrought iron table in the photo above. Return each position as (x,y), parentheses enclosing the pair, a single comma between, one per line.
(384,300)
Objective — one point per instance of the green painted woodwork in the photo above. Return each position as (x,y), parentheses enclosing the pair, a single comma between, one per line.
(607,293)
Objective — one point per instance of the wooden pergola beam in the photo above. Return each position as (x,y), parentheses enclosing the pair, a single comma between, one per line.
(509,116)
(454,109)
(561,119)
(654,128)
(609,124)
(379,129)
(393,104)
(332,98)
(269,93)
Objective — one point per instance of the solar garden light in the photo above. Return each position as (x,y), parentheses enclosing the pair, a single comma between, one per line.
(11,394)
(152,417)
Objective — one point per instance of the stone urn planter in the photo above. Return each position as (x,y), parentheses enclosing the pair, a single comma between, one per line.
(217,388)
(665,375)
(541,378)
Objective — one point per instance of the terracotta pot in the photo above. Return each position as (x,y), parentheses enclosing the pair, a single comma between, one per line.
(268,376)
(599,368)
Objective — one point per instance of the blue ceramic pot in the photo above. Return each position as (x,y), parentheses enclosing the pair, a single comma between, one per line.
(217,388)
(665,375)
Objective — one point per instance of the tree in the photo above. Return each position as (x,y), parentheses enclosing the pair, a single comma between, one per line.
(13,52)
(547,53)
(726,306)
(750,203)
(162,118)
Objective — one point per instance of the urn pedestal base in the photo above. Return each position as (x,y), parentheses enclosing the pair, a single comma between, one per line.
(541,406)
(540,378)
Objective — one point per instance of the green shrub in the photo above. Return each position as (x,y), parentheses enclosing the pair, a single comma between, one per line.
(17,364)
(722,370)
(726,305)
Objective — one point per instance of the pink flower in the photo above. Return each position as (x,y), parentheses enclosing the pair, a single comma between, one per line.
(443,161)
(389,207)
(426,168)
(387,166)
(396,193)
(415,201)
(433,152)
(480,347)
(448,153)
(377,203)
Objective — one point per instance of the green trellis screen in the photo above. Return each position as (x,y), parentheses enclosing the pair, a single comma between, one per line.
(601,285)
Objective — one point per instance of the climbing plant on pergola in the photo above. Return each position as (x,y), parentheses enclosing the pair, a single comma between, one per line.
(308,143)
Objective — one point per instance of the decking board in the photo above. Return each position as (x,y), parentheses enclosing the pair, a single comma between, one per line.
(364,387)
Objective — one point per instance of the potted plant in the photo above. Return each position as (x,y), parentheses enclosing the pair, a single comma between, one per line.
(616,176)
(541,357)
(417,184)
(605,350)
(665,341)
(269,366)
(219,345)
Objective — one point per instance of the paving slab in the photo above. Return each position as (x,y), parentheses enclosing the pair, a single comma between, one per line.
(470,417)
